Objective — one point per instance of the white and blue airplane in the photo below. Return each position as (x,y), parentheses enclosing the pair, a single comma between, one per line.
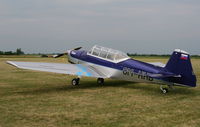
(101,63)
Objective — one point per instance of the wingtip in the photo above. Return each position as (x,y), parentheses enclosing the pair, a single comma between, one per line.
(11,63)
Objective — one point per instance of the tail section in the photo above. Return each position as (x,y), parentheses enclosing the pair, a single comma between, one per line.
(180,64)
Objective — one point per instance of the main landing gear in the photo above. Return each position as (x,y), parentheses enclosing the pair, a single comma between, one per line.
(75,81)
(100,81)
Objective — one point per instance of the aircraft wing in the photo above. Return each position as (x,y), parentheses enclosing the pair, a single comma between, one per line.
(72,69)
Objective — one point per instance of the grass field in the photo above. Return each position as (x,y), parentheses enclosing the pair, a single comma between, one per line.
(31,99)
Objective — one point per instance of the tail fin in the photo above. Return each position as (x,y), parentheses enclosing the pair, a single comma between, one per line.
(180,64)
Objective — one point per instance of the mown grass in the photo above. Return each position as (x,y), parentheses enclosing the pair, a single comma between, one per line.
(31,98)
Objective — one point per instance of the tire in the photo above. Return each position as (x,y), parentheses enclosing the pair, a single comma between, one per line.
(165,90)
(75,81)
(100,81)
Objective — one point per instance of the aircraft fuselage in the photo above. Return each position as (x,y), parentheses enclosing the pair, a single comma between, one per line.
(128,70)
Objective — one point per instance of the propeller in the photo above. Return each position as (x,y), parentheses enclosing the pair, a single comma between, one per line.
(77,48)
(59,55)
(66,53)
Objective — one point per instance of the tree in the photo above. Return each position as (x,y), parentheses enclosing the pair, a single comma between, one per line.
(19,52)
(8,53)
(1,52)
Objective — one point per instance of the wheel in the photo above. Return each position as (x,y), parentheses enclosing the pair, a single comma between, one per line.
(100,81)
(75,81)
(164,90)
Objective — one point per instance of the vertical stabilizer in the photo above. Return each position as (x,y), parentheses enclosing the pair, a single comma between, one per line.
(180,64)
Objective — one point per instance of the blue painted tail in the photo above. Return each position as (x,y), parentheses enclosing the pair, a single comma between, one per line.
(180,64)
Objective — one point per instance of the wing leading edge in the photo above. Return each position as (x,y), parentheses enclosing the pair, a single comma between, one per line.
(72,69)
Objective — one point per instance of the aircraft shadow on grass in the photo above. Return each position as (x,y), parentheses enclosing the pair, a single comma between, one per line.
(120,84)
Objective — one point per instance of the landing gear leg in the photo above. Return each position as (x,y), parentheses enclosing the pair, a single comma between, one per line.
(75,81)
(163,90)
(100,81)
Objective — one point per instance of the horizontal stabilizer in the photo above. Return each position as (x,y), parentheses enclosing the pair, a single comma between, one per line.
(159,64)
(163,75)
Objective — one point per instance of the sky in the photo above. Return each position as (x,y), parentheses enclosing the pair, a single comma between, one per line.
(133,26)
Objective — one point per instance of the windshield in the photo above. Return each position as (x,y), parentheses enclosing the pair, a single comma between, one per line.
(107,53)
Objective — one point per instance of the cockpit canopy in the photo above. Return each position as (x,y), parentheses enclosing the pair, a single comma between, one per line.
(108,54)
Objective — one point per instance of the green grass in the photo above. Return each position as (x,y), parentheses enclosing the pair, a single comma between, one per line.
(31,98)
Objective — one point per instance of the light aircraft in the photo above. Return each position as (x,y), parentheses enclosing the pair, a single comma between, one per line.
(101,63)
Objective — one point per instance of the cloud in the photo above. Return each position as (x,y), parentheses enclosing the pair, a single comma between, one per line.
(83,2)
(133,22)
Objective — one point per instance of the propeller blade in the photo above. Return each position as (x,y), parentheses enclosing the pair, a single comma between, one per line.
(77,48)
(59,55)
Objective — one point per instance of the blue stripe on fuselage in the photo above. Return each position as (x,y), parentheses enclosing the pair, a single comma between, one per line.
(130,63)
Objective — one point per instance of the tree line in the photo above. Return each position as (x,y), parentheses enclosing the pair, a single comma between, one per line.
(20,52)
(17,52)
